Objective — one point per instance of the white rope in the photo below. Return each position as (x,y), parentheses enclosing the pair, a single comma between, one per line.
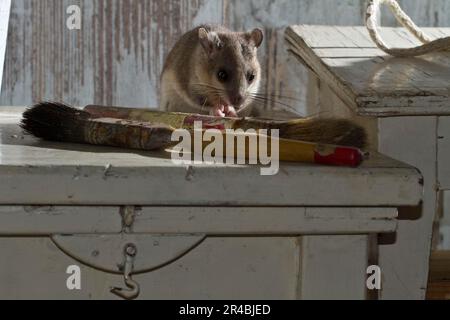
(428,46)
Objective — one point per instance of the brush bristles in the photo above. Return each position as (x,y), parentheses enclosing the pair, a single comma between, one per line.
(327,131)
(55,121)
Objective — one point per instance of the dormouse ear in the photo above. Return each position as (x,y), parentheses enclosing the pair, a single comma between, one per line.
(209,40)
(256,37)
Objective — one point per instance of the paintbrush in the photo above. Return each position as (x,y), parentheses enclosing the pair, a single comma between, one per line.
(332,131)
(59,122)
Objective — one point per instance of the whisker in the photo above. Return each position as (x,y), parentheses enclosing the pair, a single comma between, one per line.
(277,96)
(244,108)
(271,101)
(204,104)
(207,86)
(264,98)
(209,89)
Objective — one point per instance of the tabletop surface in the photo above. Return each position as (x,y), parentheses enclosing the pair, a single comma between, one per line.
(39,172)
(370,81)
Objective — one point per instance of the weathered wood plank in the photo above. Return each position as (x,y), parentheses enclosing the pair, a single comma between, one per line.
(307,55)
(441,236)
(4,19)
(367,80)
(444,152)
(265,221)
(243,263)
(50,220)
(116,57)
(349,53)
(327,263)
(413,140)
(324,36)
(118,54)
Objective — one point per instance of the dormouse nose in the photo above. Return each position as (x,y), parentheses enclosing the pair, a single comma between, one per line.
(237,99)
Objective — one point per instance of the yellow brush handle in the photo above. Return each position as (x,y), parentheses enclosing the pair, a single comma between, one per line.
(249,146)
(289,150)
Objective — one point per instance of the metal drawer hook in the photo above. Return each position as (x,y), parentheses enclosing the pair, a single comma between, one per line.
(133,287)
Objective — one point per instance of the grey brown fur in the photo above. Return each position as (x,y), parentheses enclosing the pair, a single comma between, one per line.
(189,81)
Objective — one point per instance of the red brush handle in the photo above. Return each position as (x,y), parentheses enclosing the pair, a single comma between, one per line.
(342,156)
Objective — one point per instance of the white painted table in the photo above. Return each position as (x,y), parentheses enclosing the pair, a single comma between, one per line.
(201,231)
(405,104)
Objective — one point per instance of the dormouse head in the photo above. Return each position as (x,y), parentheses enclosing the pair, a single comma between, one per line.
(231,72)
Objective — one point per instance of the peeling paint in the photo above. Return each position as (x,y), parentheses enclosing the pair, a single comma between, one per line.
(189,173)
(118,55)
(115,59)
(106,172)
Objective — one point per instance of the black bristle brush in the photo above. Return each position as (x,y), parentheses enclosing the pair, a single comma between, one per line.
(59,122)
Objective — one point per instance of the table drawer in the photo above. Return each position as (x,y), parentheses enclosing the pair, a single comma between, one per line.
(190,252)
(219,268)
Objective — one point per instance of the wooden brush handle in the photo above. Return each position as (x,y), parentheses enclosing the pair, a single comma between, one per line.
(292,150)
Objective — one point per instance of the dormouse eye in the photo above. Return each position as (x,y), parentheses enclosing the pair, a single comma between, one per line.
(250,77)
(222,75)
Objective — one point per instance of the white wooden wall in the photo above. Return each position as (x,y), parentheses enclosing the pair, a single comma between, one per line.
(5,5)
(118,54)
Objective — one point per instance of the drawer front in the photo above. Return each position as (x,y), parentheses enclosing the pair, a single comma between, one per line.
(219,268)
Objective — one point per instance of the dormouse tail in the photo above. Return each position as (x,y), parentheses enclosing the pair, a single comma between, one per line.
(333,131)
